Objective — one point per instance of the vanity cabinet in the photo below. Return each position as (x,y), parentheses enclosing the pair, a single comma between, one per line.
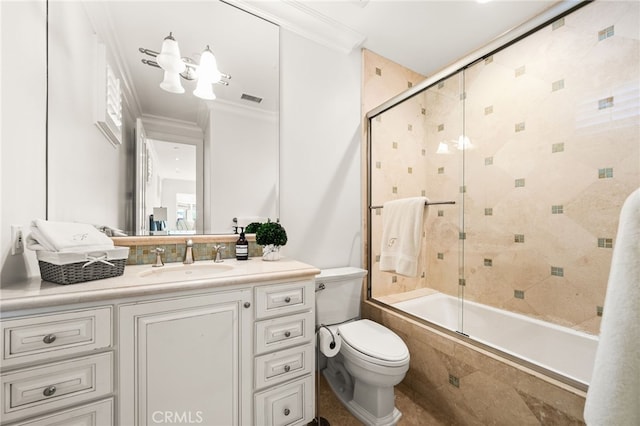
(183,359)
(284,361)
(228,350)
(54,361)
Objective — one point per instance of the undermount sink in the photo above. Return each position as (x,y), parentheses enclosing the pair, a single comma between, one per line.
(192,271)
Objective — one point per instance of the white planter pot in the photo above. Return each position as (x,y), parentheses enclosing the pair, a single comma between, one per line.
(271,252)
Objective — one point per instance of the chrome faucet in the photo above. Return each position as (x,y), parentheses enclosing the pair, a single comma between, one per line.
(217,253)
(188,253)
(158,251)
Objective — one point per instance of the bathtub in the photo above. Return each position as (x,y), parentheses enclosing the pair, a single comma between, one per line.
(561,350)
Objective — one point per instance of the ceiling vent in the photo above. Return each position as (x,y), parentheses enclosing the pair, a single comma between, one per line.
(251,98)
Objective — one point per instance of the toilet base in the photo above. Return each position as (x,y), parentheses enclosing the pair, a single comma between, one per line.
(342,387)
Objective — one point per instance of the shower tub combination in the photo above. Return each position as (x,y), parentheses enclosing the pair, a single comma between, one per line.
(474,363)
(505,368)
(558,351)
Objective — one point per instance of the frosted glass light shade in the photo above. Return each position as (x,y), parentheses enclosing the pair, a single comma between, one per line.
(204,90)
(171,83)
(208,68)
(169,58)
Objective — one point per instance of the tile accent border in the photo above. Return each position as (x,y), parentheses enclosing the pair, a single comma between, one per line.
(141,248)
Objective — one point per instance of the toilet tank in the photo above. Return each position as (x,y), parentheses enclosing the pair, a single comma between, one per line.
(338,295)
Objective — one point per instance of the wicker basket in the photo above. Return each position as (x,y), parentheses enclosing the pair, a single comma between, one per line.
(72,268)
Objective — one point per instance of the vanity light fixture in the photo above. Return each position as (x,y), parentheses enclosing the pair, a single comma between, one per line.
(175,66)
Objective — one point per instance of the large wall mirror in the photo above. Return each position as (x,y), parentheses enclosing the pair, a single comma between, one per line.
(196,164)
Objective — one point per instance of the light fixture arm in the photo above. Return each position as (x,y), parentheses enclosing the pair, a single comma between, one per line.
(151,63)
(148,52)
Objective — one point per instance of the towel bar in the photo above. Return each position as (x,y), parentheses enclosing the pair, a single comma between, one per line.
(426,204)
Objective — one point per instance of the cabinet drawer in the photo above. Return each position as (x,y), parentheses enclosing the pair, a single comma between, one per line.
(283,365)
(289,404)
(56,385)
(41,337)
(279,333)
(96,414)
(283,299)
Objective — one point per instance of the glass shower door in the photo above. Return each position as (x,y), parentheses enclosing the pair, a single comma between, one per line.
(416,150)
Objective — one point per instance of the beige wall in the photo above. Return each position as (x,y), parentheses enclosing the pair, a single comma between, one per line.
(553,123)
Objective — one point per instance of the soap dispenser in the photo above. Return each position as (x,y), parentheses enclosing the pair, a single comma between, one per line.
(242,247)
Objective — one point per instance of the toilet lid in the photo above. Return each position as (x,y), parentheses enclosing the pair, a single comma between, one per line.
(374,340)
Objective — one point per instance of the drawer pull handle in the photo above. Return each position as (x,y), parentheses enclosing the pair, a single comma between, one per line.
(287,368)
(287,299)
(49,391)
(49,338)
(247,304)
(287,411)
(287,333)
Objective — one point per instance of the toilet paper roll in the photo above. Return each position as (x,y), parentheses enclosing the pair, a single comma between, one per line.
(329,343)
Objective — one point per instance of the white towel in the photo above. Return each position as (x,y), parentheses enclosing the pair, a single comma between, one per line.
(614,392)
(66,237)
(402,223)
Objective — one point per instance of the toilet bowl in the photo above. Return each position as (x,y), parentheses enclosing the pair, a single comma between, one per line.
(372,359)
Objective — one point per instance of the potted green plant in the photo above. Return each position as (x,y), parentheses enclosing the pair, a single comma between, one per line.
(271,236)
(252,228)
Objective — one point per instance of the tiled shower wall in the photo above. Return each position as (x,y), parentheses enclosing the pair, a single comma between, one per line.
(551,136)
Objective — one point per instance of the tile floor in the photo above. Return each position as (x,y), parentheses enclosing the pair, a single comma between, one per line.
(412,413)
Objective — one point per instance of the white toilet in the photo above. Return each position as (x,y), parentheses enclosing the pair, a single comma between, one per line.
(372,359)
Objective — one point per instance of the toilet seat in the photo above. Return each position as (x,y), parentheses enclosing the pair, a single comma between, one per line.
(374,343)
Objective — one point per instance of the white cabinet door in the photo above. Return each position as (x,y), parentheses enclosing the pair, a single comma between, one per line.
(186,360)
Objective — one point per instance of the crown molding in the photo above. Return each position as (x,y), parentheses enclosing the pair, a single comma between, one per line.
(179,131)
(297,17)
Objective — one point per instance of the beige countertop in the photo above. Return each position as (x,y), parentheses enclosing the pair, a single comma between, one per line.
(145,280)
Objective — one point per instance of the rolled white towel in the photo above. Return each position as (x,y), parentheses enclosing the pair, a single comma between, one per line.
(614,392)
(66,237)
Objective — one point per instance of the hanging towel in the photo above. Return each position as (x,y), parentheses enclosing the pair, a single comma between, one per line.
(613,397)
(402,223)
(66,237)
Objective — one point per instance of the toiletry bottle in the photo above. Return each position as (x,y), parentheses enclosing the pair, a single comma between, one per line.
(242,247)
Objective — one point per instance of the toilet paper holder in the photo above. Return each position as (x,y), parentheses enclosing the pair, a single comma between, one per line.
(332,345)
